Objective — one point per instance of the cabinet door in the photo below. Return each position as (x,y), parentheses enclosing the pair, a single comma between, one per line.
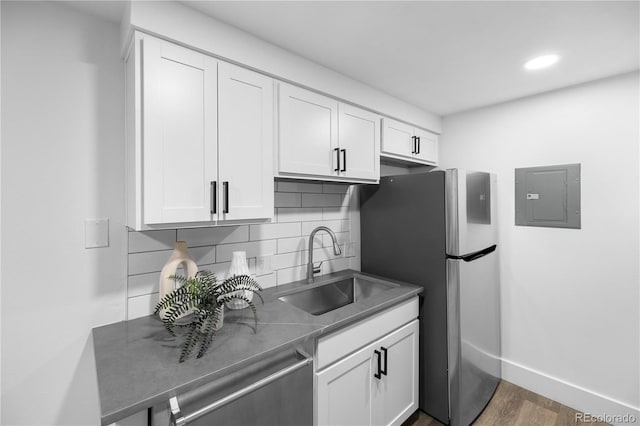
(359,143)
(245,144)
(344,391)
(396,138)
(179,133)
(308,132)
(395,396)
(427,146)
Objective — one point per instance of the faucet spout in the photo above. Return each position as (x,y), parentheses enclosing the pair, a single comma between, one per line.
(336,250)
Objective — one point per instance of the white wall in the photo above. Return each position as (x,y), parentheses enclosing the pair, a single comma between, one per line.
(570,298)
(62,162)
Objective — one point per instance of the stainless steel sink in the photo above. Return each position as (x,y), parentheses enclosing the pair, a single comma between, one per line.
(333,294)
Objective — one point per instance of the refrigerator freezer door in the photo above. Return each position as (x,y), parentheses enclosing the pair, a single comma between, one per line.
(473,301)
(471,207)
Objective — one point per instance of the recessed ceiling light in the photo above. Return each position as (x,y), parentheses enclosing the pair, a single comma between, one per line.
(541,62)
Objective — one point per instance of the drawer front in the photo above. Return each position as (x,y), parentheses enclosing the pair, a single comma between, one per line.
(348,340)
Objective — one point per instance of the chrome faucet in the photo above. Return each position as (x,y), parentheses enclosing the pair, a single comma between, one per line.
(336,249)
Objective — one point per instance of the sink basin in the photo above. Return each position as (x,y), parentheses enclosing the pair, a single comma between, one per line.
(330,295)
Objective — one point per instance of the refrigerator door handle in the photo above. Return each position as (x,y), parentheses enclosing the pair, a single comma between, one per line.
(475,255)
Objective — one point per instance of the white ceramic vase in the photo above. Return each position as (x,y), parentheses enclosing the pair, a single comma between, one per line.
(239,267)
(179,258)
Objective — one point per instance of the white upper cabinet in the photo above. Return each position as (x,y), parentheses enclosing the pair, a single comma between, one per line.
(427,146)
(308,130)
(359,143)
(397,138)
(179,155)
(199,139)
(406,143)
(320,138)
(245,144)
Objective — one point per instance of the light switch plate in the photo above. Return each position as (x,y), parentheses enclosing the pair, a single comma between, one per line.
(96,233)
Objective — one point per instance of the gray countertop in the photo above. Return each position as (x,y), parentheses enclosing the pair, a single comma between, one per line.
(137,361)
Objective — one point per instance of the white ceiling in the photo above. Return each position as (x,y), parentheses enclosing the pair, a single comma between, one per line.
(448,56)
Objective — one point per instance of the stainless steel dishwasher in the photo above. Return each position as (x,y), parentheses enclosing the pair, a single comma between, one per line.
(277,390)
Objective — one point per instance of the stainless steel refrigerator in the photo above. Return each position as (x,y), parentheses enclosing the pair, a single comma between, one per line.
(438,230)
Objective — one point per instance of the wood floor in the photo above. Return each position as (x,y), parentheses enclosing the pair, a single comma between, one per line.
(512,405)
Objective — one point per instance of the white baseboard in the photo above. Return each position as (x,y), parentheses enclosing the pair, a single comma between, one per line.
(574,396)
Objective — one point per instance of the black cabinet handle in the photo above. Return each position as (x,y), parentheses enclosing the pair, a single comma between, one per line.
(384,370)
(344,160)
(378,375)
(414,144)
(418,150)
(337,151)
(225,186)
(214,196)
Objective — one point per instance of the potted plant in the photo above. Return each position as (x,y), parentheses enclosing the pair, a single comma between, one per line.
(206,298)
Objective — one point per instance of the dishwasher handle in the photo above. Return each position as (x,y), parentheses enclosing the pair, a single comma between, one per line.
(176,418)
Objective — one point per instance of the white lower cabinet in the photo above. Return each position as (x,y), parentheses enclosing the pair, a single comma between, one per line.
(375,385)
(344,391)
(394,397)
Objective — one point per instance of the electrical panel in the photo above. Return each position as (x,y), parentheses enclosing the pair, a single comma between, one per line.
(548,196)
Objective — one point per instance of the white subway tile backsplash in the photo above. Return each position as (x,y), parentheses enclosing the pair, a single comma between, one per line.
(150,261)
(270,231)
(335,188)
(299,208)
(335,265)
(322,200)
(154,261)
(342,237)
(325,253)
(335,213)
(142,284)
(288,275)
(295,186)
(151,240)
(297,258)
(297,273)
(141,306)
(221,269)
(355,261)
(267,281)
(334,225)
(288,199)
(196,237)
(203,255)
(287,245)
(288,260)
(253,249)
(298,214)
